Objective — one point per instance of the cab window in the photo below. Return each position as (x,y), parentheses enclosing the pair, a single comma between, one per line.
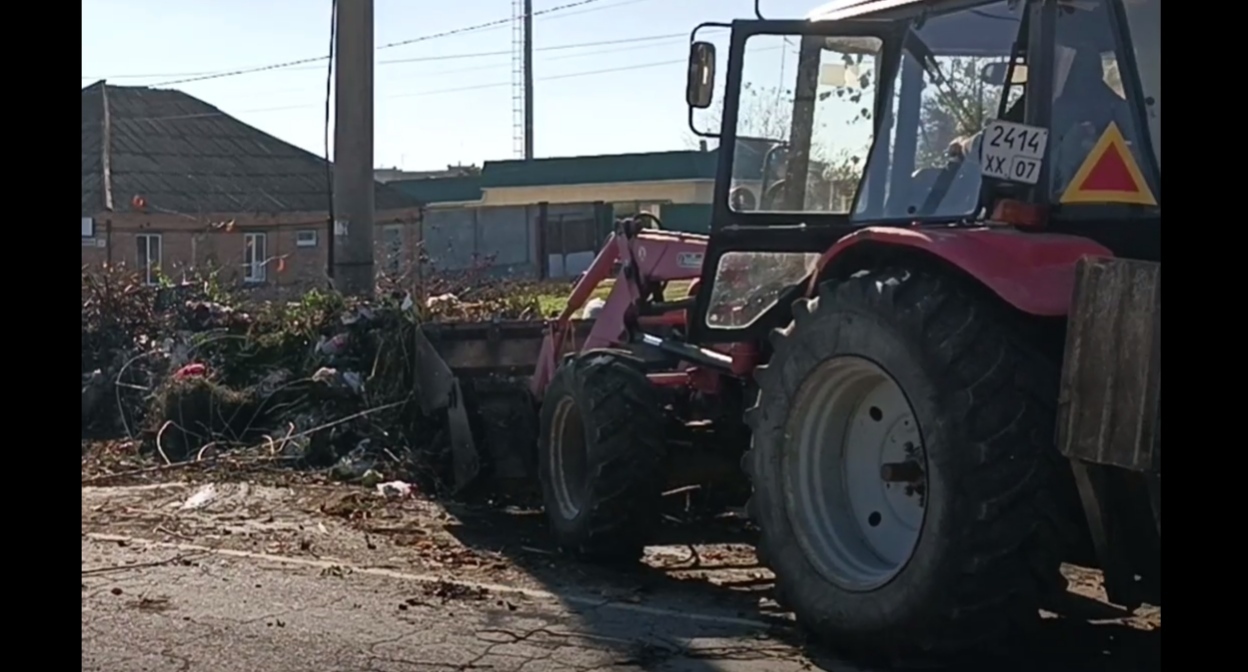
(1144,22)
(1088,95)
(804,123)
(924,164)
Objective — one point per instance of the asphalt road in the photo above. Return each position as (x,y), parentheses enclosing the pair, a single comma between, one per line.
(174,607)
(238,576)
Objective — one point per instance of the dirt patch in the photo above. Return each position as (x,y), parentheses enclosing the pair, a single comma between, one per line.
(328,522)
(363,528)
(711,564)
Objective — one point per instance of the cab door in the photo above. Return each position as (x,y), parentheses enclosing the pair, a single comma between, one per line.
(779,202)
(880,127)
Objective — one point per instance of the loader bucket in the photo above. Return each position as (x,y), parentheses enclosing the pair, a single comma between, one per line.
(504,347)
(458,363)
(434,377)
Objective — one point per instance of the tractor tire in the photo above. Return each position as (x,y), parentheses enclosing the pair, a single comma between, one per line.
(952,547)
(601,456)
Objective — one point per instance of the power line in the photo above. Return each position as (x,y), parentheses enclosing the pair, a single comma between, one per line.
(206,115)
(402,43)
(441,57)
(152,75)
(475,87)
(495,66)
(598,8)
(302,106)
(637,42)
(435,92)
(570,75)
(557,47)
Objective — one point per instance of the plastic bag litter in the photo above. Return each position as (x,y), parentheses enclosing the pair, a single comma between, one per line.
(332,346)
(202,497)
(592,308)
(340,379)
(394,489)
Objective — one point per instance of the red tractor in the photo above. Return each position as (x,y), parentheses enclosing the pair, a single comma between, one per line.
(949,379)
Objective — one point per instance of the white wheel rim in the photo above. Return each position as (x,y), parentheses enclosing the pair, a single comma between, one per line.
(850,419)
(568,458)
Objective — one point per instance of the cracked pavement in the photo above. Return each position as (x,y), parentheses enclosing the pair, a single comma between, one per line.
(153,607)
(239,576)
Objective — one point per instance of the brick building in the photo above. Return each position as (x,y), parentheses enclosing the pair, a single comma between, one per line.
(170,183)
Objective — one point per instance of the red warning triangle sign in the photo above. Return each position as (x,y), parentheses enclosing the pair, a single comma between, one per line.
(1109,174)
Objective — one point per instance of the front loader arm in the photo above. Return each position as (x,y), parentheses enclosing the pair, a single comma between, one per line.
(638,257)
(593,276)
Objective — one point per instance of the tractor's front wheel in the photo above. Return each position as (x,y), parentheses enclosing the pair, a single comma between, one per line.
(903,465)
(601,456)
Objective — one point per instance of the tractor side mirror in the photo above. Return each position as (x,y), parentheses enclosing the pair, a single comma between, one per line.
(700,81)
(993,74)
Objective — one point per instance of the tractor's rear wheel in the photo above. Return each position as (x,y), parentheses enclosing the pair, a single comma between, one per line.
(601,456)
(903,468)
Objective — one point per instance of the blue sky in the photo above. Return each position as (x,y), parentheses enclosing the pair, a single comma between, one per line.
(448,102)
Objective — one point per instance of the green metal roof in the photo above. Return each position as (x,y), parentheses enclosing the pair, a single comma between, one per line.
(602,169)
(441,189)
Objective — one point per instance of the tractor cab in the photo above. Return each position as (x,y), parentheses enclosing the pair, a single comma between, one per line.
(1042,115)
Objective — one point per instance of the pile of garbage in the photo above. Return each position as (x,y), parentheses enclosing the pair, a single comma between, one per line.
(325,381)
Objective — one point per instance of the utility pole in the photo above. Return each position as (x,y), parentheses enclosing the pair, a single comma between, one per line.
(353,148)
(528,80)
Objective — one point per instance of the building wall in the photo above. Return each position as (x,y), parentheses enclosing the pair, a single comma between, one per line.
(674,191)
(528,241)
(523,241)
(504,238)
(217,243)
(687,217)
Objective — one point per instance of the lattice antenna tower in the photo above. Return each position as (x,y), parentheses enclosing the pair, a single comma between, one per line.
(517,78)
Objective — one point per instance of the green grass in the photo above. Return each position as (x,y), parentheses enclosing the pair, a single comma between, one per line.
(553,301)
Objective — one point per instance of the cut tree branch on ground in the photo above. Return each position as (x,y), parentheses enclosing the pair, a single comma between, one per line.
(168,466)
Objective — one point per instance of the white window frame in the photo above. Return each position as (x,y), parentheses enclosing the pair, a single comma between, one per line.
(307,238)
(88,227)
(255,269)
(150,271)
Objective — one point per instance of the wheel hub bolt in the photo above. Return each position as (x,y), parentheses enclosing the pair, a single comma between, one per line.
(901,472)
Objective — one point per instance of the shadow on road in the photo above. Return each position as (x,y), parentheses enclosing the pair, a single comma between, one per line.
(711,572)
(1060,645)
(707,566)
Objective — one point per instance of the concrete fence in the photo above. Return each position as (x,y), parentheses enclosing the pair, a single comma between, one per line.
(281,255)
(530,241)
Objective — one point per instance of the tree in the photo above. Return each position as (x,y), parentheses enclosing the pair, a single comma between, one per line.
(767,112)
(764,112)
(957,103)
